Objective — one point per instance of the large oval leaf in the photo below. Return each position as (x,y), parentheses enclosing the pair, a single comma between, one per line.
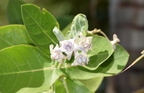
(25,66)
(116,62)
(82,73)
(70,86)
(93,83)
(101,50)
(39,25)
(111,66)
(51,75)
(13,35)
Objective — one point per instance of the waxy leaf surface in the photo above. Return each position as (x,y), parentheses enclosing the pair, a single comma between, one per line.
(110,67)
(13,35)
(25,66)
(39,25)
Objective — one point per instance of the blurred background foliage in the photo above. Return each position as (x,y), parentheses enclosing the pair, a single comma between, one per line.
(64,11)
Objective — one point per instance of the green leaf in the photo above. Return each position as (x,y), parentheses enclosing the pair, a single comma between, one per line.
(110,67)
(59,87)
(92,84)
(70,86)
(13,35)
(25,66)
(116,62)
(39,25)
(50,75)
(81,73)
(101,50)
(14,11)
(79,24)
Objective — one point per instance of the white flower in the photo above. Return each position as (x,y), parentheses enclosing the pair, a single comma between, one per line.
(80,59)
(85,42)
(67,46)
(56,54)
(115,41)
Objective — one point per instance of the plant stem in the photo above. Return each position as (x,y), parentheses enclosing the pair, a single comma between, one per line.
(59,65)
(65,84)
(96,31)
(139,58)
(55,63)
(53,88)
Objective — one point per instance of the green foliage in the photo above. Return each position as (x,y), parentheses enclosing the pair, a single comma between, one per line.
(39,26)
(93,83)
(102,51)
(13,35)
(14,11)
(26,65)
(116,62)
(79,24)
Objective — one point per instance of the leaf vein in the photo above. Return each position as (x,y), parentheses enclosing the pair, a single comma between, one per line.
(40,26)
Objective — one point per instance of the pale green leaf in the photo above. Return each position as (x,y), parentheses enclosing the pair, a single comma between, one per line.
(116,63)
(79,24)
(13,35)
(101,50)
(81,73)
(71,86)
(110,67)
(50,75)
(25,66)
(92,84)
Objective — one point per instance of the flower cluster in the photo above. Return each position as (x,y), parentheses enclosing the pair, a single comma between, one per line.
(76,46)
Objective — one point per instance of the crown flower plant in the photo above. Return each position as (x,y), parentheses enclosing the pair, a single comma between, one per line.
(39,57)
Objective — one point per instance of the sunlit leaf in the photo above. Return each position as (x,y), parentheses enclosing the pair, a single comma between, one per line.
(92,84)
(110,67)
(71,86)
(81,73)
(101,50)
(59,87)
(13,35)
(39,25)
(25,66)
(116,62)
(50,75)
(79,24)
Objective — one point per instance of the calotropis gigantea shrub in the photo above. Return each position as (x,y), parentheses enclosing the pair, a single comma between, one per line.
(42,59)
